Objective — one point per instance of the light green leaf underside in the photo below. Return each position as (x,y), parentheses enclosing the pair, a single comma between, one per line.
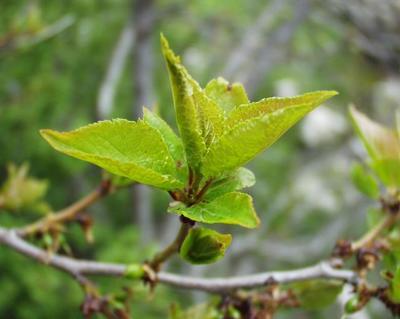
(204,246)
(226,95)
(173,142)
(237,180)
(251,134)
(231,208)
(380,142)
(131,149)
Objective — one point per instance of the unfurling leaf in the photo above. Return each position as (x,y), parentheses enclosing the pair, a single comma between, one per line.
(204,246)
(231,208)
(380,142)
(226,95)
(250,129)
(21,191)
(131,149)
(365,182)
(199,118)
(383,146)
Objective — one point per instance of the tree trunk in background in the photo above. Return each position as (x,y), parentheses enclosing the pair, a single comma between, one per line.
(143,13)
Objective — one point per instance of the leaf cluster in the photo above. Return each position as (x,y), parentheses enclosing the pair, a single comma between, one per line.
(220,130)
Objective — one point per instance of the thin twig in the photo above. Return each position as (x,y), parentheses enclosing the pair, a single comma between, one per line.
(369,237)
(67,214)
(172,248)
(321,270)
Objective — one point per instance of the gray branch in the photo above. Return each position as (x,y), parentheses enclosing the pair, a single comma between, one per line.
(321,270)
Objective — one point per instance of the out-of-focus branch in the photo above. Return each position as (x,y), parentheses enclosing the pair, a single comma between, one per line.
(374,233)
(276,47)
(67,214)
(321,270)
(108,87)
(293,251)
(252,39)
(25,40)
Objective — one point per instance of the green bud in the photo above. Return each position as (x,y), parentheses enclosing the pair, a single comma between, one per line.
(352,305)
(134,271)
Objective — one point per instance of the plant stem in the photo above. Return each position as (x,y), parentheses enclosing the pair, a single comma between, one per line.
(369,237)
(67,214)
(172,248)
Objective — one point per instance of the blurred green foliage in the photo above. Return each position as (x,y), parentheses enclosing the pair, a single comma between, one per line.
(54,84)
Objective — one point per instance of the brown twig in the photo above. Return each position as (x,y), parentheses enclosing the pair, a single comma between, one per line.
(172,248)
(388,221)
(67,214)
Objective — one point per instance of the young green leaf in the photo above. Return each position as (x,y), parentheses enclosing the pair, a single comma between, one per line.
(173,142)
(268,105)
(131,149)
(199,118)
(383,146)
(365,182)
(380,142)
(204,246)
(231,208)
(226,95)
(237,180)
(388,171)
(253,128)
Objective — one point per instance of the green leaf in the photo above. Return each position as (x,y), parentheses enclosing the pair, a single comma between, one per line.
(131,149)
(317,294)
(388,171)
(394,286)
(269,105)
(226,95)
(204,246)
(231,208)
(199,118)
(254,127)
(365,182)
(237,180)
(174,143)
(380,142)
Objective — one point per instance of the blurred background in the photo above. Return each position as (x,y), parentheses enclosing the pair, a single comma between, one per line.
(64,64)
